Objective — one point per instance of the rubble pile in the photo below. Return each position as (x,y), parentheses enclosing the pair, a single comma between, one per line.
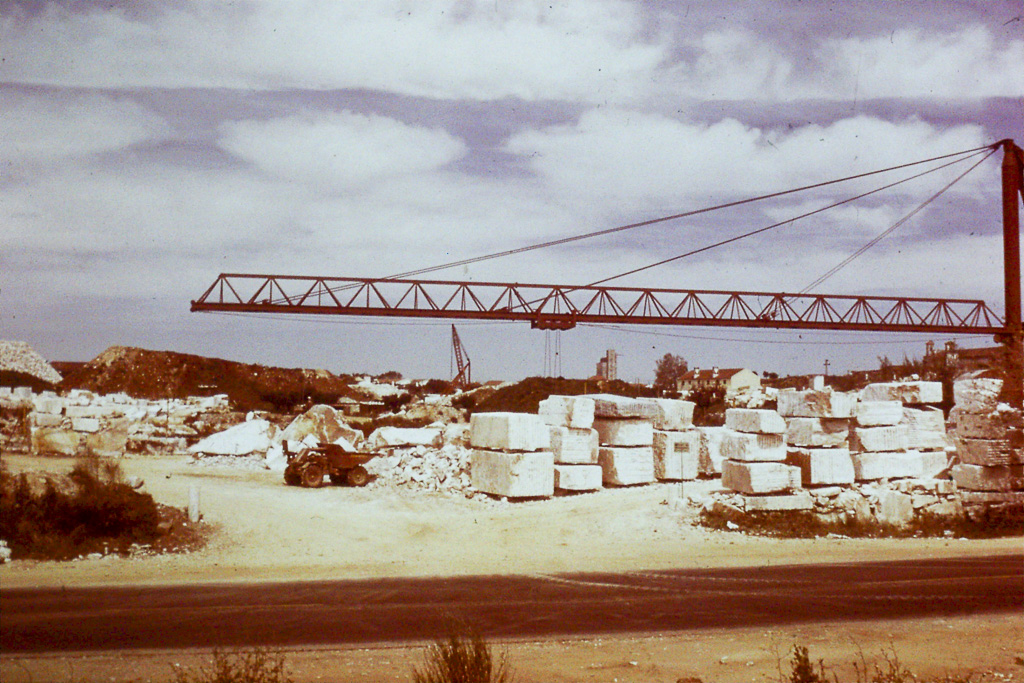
(18,356)
(444,469)
(81,422)
(988,437)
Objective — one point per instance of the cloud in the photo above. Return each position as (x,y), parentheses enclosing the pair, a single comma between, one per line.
(441,49)
(40,129)
(337,151)
(627,161)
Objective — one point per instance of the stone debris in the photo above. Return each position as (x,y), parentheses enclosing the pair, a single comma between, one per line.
(801,500)
(746,447)
(677,455)
(445,469)
(609,406)
(254,436)
(18,356)
(392,437)
(822,466)
(508,431)
(5,552)
(574,446)
(753,421)
(792,403)
(574,412)
(624,432)
(514,475)
(913,392)
(626,466)
(672,414)
(894,508)
(578,477)
(878,413)
(759,477)
(815,432)
(880,439)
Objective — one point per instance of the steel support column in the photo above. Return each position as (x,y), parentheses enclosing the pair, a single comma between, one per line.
(1013,338)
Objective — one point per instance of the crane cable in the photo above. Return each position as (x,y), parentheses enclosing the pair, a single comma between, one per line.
(849,259)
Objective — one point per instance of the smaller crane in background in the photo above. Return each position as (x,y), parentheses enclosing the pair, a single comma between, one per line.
(463,377)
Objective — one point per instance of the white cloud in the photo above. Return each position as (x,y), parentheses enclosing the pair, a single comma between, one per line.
(630,161)
(39,129)
(336,151)
(588,50)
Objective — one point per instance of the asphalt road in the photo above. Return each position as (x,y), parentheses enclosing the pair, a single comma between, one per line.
(392,610)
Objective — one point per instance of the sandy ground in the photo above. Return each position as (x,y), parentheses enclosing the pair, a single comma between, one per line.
(266,531)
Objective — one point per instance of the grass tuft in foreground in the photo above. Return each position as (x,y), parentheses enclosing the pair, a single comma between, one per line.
(245,666)
(463,657)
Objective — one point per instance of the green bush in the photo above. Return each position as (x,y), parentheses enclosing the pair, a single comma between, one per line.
(246,666)
(463,657)
(99,513)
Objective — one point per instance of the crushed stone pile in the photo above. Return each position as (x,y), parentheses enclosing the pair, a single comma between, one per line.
(18,356)
(444,469)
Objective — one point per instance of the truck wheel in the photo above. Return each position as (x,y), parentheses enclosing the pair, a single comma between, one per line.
(291,476)
(312,475)
(358,476)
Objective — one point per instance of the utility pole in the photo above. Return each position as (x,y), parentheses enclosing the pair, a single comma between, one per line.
(826,367)
(1013,337)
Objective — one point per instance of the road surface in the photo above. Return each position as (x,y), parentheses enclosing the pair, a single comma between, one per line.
(394,610)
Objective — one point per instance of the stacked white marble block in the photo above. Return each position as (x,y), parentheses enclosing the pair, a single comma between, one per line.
(988,438)
(511,455)
(818,435)
(625,431)
(574,444)
(677,445)
(890,440)
(754,453)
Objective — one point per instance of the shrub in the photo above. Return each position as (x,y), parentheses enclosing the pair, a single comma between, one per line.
(245,666)
(99,513)
(463,657)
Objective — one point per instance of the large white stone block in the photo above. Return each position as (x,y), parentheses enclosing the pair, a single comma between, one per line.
(819,466)
(48,441)
(711,450)
(818,432)
(746,447)
(989,452)
(609,406)
(253,436)
(926,429)
(874,439)
(50,405)
(991,424)
(980,478)
(977,395)
(513,475)
(887,465)
(759,477)
(574,446)
(878,413)
(755,421)
(676,455)
(576,412)
(816,403)
(578,477)
(626,466)
(85,424)
(46,420)
(935,464)
(894,508)
(672,414)
(904,392)
(508,431)
(624,432)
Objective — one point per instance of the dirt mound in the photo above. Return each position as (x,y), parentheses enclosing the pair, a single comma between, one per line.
(525,396)
(165,374)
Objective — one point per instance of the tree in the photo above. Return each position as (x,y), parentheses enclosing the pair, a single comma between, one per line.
(669,369)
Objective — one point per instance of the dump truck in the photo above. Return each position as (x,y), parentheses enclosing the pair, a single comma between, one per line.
(308,466)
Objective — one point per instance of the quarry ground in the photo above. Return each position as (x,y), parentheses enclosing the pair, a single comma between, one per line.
(265,531)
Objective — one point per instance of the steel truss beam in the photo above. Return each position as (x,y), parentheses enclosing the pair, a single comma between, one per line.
(561,307)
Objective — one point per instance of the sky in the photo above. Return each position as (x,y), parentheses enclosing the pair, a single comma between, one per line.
(146,147)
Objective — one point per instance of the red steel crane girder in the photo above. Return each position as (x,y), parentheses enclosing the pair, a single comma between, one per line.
(547,306)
